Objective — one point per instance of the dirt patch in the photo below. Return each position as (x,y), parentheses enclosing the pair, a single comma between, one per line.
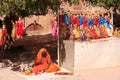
(24,50)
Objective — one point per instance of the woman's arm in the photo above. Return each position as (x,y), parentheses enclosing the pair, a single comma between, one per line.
(38,62)
(49,63)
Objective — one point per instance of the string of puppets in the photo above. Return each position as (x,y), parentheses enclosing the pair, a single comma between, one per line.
(85,25)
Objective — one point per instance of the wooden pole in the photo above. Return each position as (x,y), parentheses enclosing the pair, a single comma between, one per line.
(111,10)
(58,44)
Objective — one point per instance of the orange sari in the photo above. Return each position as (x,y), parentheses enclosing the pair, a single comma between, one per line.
(44,63)
(94,33)
(116,34)
(104,32)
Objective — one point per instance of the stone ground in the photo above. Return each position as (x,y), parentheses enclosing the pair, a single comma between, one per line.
(112,73)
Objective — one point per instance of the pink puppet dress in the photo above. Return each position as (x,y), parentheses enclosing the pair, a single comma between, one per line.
(54,28)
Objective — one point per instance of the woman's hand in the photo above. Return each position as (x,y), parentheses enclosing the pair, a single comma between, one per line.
(40,61)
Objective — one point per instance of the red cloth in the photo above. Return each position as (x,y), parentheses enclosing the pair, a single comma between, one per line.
(108,18)
(19,26)
(93,34)
(4,35)
(96,21)
(78,21)
(74,21)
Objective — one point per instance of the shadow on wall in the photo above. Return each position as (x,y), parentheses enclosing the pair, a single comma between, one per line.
(116,19)
(32,27)
(62,51)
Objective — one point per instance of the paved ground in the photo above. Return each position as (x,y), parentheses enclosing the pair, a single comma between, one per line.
(112,73)
(101,74)
(6,74)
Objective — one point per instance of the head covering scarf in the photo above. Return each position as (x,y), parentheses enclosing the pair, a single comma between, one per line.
(39,55)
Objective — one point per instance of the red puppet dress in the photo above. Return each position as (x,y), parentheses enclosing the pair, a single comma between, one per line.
(19,25)
(4,34)
(96,21)
(75,20)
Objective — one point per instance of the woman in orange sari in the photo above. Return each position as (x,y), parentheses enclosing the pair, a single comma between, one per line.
(43,63)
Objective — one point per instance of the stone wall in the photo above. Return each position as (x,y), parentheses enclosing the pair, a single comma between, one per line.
(91,55)
(67,55)
(44,20)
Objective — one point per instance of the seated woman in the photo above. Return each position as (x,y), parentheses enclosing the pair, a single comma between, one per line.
(43,63)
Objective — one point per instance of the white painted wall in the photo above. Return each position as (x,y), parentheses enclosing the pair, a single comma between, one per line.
(100,54)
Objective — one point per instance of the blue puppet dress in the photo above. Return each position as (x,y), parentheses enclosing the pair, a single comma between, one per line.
(67,19)
(103,29)
(109,27)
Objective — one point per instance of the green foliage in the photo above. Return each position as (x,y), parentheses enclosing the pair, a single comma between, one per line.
(106,3)
(37,7)
(27,7)
(72,1)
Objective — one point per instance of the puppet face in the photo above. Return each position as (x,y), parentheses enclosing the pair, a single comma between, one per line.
(102,14)
(108,14)
(3,26)
(20,19)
